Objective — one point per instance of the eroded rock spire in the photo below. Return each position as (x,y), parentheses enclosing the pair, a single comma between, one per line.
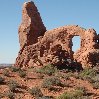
(31,26)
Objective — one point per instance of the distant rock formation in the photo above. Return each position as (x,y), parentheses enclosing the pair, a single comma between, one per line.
(41,47)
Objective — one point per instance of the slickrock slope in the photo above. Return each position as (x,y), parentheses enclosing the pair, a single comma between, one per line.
(40,47)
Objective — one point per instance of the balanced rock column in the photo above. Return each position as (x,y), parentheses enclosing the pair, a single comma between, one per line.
(30,29)
(32,26)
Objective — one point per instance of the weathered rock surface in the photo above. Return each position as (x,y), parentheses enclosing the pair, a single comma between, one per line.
(38,47)
(32,26)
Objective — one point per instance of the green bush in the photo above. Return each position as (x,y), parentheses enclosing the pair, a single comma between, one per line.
(36,92)
(14,69)
(13,85)
(95,78)
(40,76)
(46,97)
(77,94)
(1,80)
(96,85)
(10,95)
(96,68)
(6,73)
(49,69)
(87,73)
(85,97)
(65,95)
(52,81)
(68,75)
(83,89)
(60,75)
(22,73)
(1,95)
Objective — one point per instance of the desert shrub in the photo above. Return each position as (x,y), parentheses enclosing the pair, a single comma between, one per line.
(96,68)
(49,69)
(1,95)
(60,75)
(12,85)
(96,85)
(10,95)
(1,80)
(75,75)
(6,73)
(95,78)
(14,69)
(40,76)
(52,81)
(46,97)
(36,92)
(22,73)
(68,96)
(85,97)
(87,73)
(78,93)
(71,95)
(81,88)
(65,95)
(67,75)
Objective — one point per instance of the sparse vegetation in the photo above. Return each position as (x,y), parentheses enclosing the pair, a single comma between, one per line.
(95,78)
(77,94)
(14,69)
(64,76)
(83,89)
(49,79)
(96,85)
(49,70)
(10,95)
(87,73)
(22,73)
(1,80)
(40,76)
(52,81)
(1,95)
(6,73)
(35,91)
(46,97)
(13,85)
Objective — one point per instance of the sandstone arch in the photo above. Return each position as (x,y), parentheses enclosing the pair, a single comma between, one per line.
(39,47)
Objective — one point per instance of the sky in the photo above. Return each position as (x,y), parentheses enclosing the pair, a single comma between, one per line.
(54,13)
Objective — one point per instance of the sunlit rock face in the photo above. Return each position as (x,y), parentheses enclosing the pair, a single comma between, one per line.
(41,47)
(31,26)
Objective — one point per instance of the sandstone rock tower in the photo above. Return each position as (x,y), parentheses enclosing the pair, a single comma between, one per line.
(32,26)
(41,47)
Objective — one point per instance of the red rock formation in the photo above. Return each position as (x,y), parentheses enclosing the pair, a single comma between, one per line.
(32,26)
(55,46)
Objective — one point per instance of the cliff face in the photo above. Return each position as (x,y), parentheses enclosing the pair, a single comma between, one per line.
(40,47)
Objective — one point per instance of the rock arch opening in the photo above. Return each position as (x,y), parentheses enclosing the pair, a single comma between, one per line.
(76,42)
